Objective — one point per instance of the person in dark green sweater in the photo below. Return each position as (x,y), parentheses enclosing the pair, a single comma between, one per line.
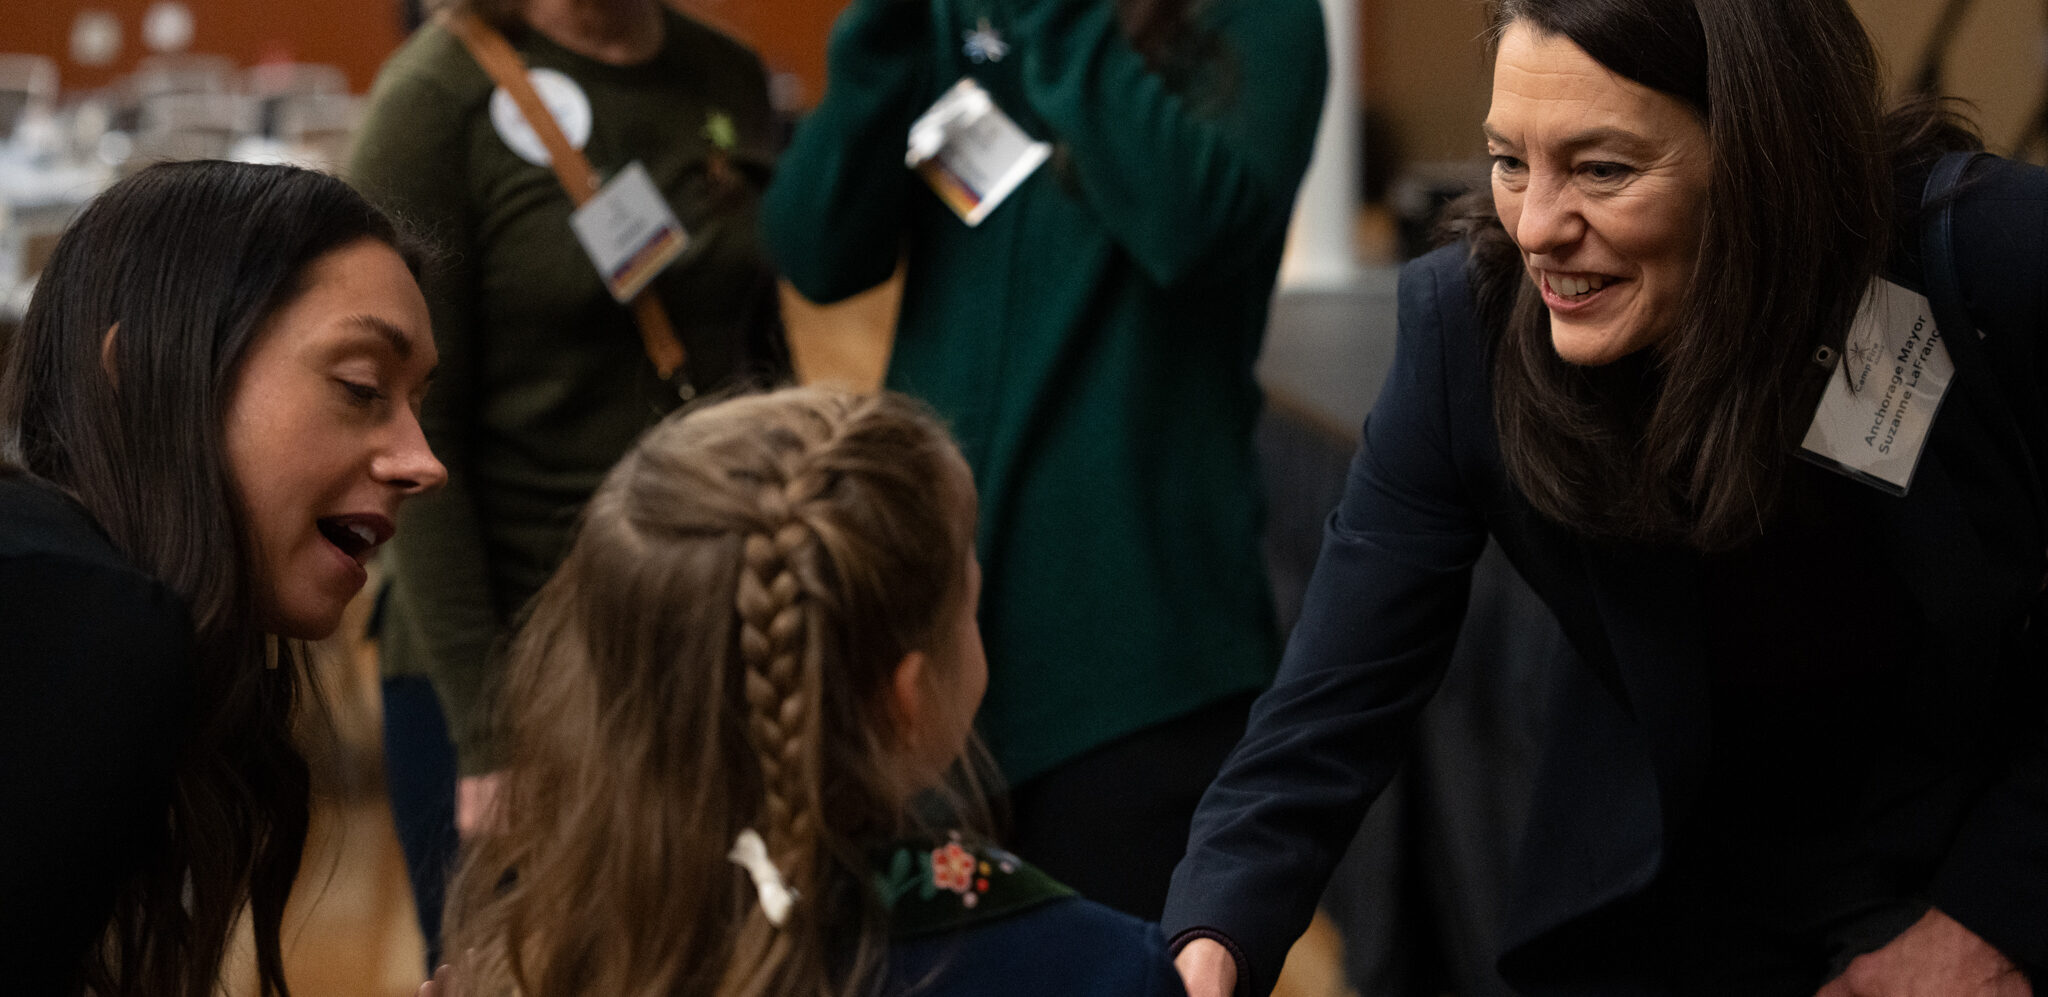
(543,380)
(1091,341)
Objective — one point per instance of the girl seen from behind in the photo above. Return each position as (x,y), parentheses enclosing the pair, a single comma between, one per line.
(738,713)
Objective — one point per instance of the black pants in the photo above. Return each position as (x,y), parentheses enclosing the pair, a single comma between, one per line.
(1113,823)
(419,775)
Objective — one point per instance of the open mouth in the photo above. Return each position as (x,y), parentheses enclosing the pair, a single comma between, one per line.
(354,538)
(1579,287)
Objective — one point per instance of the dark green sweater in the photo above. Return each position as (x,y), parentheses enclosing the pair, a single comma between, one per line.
(543,382)
(1091,342)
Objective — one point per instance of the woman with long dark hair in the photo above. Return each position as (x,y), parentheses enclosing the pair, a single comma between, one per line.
(1089,335)
(209,421)
(1744,374)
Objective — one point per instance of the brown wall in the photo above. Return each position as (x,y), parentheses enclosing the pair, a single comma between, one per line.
(357,35)
(353,34)
(1421,59)
(1422,66)
(1995,62)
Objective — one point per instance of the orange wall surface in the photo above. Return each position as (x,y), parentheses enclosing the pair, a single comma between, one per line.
(353,34)
(357,35)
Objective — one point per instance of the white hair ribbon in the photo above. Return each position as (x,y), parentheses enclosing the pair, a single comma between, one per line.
(749,852)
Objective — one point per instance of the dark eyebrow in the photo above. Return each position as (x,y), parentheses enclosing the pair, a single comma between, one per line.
(1627,142)
(400,343)
(392,336)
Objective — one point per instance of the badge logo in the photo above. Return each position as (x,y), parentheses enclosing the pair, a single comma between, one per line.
(984,44)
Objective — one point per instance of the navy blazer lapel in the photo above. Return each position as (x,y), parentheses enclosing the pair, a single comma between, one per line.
(1594,817)
(1649,600)
(1627,756)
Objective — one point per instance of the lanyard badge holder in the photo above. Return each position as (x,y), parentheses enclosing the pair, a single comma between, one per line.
(626,227)
(971,154)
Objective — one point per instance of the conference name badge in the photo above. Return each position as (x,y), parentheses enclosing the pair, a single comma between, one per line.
(1884,391)
(629,232)
(970,152)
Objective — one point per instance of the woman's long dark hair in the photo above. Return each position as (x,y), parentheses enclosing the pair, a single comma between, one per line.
(1688,443)
(184,261)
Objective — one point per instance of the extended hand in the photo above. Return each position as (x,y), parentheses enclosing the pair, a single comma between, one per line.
(442,985)
(1208,970)
(1936,957)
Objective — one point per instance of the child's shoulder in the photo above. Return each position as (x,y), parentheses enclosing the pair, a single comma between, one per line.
(1071,946)
(981,922)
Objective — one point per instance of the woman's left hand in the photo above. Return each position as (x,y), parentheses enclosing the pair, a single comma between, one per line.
(1936,957)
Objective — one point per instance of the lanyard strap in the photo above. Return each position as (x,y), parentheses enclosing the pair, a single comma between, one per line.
(491,51)
(1952,317)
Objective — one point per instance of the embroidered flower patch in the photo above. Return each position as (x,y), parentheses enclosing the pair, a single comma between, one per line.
(931,887)
(953,868)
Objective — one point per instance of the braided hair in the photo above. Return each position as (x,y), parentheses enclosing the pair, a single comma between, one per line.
(713,658)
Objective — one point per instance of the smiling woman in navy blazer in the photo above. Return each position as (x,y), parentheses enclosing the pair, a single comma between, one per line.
(1805,753)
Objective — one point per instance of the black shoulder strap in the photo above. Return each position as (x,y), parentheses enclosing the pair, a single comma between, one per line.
(1938,255)
(1952,318)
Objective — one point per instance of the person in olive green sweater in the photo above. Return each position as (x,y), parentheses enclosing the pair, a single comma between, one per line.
(1091,341)
(543,381)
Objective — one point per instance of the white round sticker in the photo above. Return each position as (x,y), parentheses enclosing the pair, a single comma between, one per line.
(95,38)
(564,99)
(167,27)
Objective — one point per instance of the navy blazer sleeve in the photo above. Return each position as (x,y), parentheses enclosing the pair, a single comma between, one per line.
(1379,620)
(1995,880)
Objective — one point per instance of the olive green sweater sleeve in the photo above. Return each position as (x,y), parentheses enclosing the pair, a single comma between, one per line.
(833,217)
(1180,181)
(409,157)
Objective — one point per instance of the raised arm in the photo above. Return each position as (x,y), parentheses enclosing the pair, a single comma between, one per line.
(1180,181)
(1377,627)
(833,217)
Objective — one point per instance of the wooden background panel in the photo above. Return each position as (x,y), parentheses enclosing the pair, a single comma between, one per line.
(354,34)
(358,35)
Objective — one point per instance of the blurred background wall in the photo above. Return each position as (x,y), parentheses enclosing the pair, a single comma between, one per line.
(355,35)
(1421,63)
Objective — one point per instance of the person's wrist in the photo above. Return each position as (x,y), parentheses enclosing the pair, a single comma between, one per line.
(1207,968)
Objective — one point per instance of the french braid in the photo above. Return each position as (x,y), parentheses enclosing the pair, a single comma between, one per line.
(714,656)
(782,682)
(779,603)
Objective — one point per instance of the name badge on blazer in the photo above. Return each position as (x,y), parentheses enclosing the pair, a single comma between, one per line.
(970,152)
(1885,389)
